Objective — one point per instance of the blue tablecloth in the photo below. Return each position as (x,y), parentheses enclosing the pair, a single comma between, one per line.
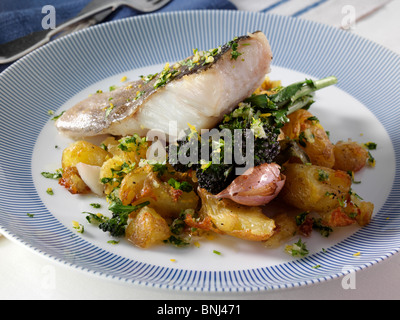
(21,17)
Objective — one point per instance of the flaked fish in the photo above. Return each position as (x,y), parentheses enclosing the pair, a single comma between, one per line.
(198,91)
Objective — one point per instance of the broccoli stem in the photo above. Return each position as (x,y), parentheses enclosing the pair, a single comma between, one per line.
(303,96)
(315,85)
(299,104)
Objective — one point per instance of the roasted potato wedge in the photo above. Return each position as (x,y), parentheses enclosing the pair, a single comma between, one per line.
(314,188)
(228,217)
(305,129)
(142,184)
(285,229)
(85,152)
(110,173)
(350,156)
(72,181)
(349,213)
(337,218)
(364,213)
(147,228)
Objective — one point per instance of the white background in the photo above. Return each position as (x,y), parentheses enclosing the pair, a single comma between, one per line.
(27,275)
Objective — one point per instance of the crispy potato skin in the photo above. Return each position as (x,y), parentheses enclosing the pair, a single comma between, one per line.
(85,152)
(349,156)
(349,214)
(337,218)
(147,228)
(228,217)
(285,229)
(305,189)
(319,149)
(142,184)
(80,152)
(365,211)
(73,182)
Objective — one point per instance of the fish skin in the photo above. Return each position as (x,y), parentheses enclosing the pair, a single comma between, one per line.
(195,93)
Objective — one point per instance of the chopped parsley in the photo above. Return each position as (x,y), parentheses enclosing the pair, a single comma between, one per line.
(297,249)
(117,223)
(301,218)
(128,143)
(139,94)
(78,227)
(95,217)
(341,201)
(316,224)
(58,116)
(177,228)
(330,194)
(234,45)
(370,145)
(149,77)
(178,224)
(109,109)
(52,175)
(176,241)
(106,180)
(351,174)
(184,186)
(160,168)
(352,193)
(165,76)
(302,139)
(371,160)
(313,118)
(323,175)
(324,230)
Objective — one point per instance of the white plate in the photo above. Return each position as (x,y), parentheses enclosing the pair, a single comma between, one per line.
(363,106)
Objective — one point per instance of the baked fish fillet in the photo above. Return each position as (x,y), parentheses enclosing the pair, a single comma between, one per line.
(198,90)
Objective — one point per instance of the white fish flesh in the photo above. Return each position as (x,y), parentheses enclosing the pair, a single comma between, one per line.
(198,91)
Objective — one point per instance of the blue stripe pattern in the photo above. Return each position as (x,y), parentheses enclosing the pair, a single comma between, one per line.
(308,8)
(298,13)
(275,5)
(53,74)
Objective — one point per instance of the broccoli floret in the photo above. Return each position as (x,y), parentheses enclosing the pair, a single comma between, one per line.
(184,146)
(215,178)
(266,149)
(116,225)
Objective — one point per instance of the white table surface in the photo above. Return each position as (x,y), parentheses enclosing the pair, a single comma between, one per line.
(25,274)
